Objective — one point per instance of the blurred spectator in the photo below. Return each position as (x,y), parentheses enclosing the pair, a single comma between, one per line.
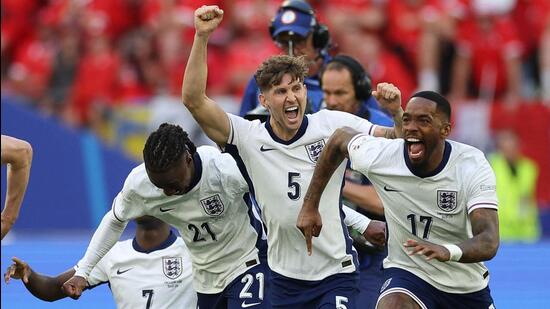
(63,74)
(413,30)
(382,64)
(489,50)
(516,178)
(96,84)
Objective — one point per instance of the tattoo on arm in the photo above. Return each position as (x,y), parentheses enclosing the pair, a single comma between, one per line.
(483,246)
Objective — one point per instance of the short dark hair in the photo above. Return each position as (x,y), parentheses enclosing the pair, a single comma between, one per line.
(271,71)
(442,104)
(165,146)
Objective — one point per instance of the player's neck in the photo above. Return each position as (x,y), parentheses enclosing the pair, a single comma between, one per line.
(435,159)
(152,238)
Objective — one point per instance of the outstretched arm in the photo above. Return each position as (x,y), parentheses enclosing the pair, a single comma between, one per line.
(105,237)
(481,247)
(334,152)
(17,154)
(389,97)
(42,287)
(210,116)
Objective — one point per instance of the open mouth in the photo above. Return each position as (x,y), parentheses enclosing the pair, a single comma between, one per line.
(415,148)
(291,112)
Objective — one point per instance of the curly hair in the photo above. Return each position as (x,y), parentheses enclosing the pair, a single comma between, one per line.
(271,71)
(165,146)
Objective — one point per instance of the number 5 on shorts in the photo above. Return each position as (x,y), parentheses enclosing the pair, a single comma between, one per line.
(340,302)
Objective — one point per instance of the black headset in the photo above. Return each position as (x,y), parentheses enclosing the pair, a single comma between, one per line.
(321,36)
(361,80)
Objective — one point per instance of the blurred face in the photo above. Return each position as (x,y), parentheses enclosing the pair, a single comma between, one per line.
(424,131)
(338,90)
(286,104)
(508,145)
(300,47)
(176,180)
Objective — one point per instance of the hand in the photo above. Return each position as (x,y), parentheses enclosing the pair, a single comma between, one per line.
(389,98)
(74,286)
(376,233)
(430,250)
(207,19)
(18,270)
(310,223)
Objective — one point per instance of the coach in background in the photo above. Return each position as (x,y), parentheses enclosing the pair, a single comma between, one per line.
(296,30)
(347,88)
(17,155)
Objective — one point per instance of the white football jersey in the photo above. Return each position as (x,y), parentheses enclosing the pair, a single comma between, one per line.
(212,217)
(279,174)
(160,278)
(434,207)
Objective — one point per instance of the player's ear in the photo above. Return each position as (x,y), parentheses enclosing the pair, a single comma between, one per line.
(445,129)
(263,100)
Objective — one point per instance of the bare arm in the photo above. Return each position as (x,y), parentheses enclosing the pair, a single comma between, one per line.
(484,245)
(335,151)
(363,196)
(17,154)
(41,286)
(210,116)
(389,98)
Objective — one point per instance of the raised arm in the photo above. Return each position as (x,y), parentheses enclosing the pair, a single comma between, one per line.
(334,152)
(17,154)
(208,114)
(389,98)
(481,247)
(42,287)
(105,237)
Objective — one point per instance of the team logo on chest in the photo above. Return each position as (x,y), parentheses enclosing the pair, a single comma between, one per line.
(213,205)
(172,267)
(314,150)
(446,200)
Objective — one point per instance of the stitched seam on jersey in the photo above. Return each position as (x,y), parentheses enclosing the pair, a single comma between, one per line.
(371,130)
(114,212)
(483,203)
(404,291)
(232,135)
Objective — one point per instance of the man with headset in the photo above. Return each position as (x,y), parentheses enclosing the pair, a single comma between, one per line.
(347,88)
(296,31)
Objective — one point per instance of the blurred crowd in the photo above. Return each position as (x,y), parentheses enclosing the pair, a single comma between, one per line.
(79,59)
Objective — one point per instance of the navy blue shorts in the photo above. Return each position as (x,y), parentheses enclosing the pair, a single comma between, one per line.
(337,291)
(427,296)
(249,290)
(371,278)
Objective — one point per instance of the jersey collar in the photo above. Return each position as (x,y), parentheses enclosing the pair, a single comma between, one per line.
(440,167)
(165,244)
(300,133)
(197,162)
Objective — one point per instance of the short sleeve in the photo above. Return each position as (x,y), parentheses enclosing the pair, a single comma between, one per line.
(482,187)
(238,129)
(362,150)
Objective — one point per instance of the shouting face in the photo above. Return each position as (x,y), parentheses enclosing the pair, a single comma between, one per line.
(286,103)
(424,130)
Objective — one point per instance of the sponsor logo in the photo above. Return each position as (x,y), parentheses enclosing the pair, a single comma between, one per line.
(390,189)
(314,150)
(172,267)
(213,205)
(263,149)
(288,17)
(165,209)
(120,272)
(446,200)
